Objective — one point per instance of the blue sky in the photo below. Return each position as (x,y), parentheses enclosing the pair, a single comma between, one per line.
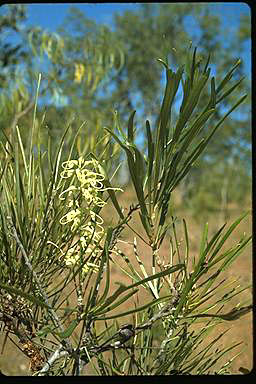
(51,16)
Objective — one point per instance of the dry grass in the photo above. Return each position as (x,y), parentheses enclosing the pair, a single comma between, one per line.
(13,362)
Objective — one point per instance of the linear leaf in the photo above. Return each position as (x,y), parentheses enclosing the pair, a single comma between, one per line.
(68,332)
(230,316)
(106,307)
(130,127)
(150,304)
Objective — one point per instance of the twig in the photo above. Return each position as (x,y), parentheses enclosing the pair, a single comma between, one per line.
(59,353)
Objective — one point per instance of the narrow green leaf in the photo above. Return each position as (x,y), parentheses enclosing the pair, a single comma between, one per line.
(139,169)
(150,161)
(107,279)
(190,105)
(122,288)
(213,94)
(207,63)
(227,77)
(187,244)
(193,131)
(171,88)
(106,307)
(193,66)
(183,298)
(134,162)
(112,195)
(98,280)
(203,243)
(235,254)
(186,92)
(125,147)
(45,331)
(230,316)
(205,142)
(117,125)
(230,90)
(130,127)
(157,275)
(150,148)
(225,237)
(68,332)
(138,309)
(22,150)
(145,223)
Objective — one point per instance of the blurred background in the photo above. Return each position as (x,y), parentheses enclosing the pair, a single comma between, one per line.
(96,59)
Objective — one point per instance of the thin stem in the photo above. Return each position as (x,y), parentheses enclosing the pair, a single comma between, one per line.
(51,310)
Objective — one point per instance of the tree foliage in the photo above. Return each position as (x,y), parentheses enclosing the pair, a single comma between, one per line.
(159,31)
(89,70)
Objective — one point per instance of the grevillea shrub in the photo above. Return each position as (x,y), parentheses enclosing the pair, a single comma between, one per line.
(59,303)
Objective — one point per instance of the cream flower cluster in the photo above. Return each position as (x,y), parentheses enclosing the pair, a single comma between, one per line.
(82,196)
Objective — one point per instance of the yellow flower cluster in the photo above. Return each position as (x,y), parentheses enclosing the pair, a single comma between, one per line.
(83,195)
(79,72)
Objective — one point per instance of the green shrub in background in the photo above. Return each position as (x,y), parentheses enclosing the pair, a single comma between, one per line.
(55,246)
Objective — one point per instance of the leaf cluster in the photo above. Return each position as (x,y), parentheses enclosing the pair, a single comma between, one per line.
(69,323)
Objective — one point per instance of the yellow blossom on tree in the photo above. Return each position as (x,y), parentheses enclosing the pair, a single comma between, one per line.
(79,72)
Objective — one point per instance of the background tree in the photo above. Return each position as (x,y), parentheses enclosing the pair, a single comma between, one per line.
(66,78)
(88,71)
(144,32)
(157,31)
